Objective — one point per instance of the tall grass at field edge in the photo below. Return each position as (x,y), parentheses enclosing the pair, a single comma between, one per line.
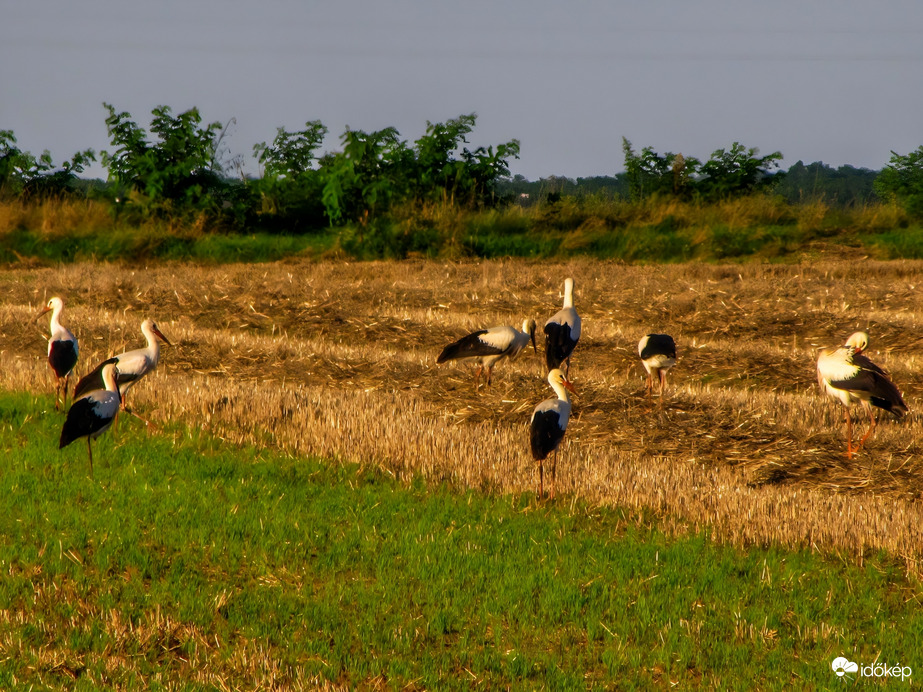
(760,227)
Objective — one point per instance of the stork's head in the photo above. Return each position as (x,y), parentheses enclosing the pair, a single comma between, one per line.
(53,304)
(151,325)
(859,341)
(557,379)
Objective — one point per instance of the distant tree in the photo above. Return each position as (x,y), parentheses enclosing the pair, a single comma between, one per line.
(649,174)
(844,186)
(290,187)
(179,168)
(291,153)
(735,172)
(22,174)
(902,181)
(377,170)
(364,177)
(444,167)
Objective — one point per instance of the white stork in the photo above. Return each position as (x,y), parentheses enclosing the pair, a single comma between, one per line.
(489,346)
(846,375)
(658,354)
(548,425)
(91,416)
(562,331)
(62,349)
(132,365)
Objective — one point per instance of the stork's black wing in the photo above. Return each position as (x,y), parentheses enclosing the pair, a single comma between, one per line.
(469,346)
(93,380)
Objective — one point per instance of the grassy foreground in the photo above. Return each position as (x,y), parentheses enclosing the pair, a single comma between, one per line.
(185,563)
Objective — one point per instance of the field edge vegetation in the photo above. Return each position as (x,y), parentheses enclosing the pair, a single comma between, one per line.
(757,228)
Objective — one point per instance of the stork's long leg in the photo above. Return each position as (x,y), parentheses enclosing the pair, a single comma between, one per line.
(849,447)
(143,420)
(554,473)
(541,480)
(872,424)
(90,451)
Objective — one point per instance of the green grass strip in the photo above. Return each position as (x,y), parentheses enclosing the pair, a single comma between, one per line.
(185,561)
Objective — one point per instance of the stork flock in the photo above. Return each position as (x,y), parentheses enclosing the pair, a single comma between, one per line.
(550,417)
(100,394)
(843,373)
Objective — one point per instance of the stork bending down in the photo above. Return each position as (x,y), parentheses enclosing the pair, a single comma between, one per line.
(487,347)
(658,354)
(846,375)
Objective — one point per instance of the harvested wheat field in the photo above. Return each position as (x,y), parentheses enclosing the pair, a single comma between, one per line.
(338,360)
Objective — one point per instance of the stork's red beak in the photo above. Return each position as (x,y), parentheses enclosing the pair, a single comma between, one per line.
(161,336)
(569,385)
(44,310)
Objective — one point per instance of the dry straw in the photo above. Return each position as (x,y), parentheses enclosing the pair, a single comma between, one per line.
(338,360)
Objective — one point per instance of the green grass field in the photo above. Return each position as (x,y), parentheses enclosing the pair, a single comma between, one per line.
(187,563)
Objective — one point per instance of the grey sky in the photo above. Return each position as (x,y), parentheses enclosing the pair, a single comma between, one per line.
(832,80)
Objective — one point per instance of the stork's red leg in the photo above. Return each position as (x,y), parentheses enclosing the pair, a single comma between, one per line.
(554,473)
(541,480)
(872,425)
(849,447)
(90,451)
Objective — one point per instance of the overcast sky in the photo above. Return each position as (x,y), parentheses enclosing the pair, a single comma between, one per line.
(837,81)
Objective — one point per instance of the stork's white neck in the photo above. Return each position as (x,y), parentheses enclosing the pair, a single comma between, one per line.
(148,334)
(109,378)
(56,318)
(568,293)
(561,391)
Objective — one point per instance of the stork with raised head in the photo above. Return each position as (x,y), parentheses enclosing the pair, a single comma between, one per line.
(92,415)
(562,331)
(846,375)
(548,425)
(487,347)
(132,365)
(658,354)
(62,349)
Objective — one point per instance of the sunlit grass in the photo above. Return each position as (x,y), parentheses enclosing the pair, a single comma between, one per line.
(192,563)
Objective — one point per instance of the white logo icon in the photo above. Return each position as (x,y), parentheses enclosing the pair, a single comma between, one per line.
(842,665)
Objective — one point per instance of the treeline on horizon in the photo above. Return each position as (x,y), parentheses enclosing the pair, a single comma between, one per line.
(383,196)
